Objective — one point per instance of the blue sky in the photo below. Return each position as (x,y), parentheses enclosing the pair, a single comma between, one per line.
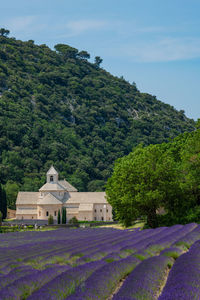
(155,43)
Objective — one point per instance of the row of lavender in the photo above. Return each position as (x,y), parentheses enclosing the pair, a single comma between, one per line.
(90,263)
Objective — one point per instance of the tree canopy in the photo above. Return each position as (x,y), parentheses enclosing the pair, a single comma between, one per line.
(4,32)
(165,175)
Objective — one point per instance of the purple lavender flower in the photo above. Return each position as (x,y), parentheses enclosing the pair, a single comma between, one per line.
(188,239)
(145,280)
(64,284)
(103,281)
(15,274)
(54,264)
(183,282)
(24,286)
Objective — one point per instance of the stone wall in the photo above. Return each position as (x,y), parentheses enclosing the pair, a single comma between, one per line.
(11,213)
(44,211)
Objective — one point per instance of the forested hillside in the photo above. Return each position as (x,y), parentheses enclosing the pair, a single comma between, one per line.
(58,108)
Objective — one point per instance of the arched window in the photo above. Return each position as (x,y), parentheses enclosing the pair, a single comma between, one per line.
(51,178)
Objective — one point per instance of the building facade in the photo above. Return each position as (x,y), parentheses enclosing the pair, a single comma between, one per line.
(56,194)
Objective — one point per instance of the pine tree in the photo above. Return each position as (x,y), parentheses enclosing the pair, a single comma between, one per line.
(58,219)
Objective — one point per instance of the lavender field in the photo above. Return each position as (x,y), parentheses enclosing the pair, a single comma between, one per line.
(101,263)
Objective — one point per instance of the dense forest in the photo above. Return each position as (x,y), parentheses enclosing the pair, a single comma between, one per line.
(158,176)
(57,107)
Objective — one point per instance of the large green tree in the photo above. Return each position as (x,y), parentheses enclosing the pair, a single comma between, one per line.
(12,189)
(139,184)
(165,175)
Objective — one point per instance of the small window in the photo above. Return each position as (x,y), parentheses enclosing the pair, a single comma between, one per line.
(100,210)
(55,212)
(101,218)
(39,213)
(107,210)
(51,178)
(95,210)
(47,213)
(85,218)
(95,218)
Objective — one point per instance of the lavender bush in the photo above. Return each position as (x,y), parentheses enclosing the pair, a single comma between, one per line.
(145,280)
(89,263)
(103,281)
(184,281)
(65,284)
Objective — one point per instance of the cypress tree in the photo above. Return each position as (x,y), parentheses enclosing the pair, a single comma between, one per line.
(58,219)
(63,215)
(1,200)
(4,203)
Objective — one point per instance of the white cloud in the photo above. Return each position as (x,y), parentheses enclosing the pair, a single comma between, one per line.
(21,23)
(163,50)
(80,26)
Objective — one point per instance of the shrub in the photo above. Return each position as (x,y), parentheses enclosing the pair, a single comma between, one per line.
(50,220)
(73,221)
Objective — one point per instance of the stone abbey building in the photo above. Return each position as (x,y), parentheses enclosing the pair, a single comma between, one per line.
(55,194)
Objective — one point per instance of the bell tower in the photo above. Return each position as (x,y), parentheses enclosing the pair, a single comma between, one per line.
(52,175)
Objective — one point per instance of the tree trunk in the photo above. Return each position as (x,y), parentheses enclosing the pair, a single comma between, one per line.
(152,220)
